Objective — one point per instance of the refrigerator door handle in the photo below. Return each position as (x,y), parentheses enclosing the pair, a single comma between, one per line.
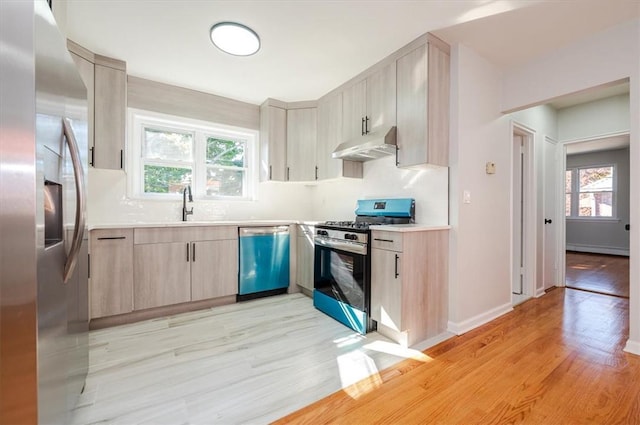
(78,233)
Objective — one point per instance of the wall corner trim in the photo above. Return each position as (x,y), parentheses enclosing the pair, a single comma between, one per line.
(465,326)
(540,292)
(632,347)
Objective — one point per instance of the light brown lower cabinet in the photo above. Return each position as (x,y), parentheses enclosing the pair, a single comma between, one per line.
(305,257)
(214,269)
(409,284)
(162,274)
(181,264)
(111,283)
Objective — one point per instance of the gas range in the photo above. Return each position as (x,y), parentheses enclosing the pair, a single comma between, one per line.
(342,260)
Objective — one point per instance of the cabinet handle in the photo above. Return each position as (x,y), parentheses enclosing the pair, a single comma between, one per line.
(92,162)
(270,174)
(316,172)
(362,127)
(366,125)
(397,160)
(383,240)
(111,238)
(193,252)
(397,258)
(287,173)
(121,159)
(187,252)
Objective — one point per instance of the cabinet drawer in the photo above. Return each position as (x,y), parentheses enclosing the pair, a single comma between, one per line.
(391,241)
(184,234)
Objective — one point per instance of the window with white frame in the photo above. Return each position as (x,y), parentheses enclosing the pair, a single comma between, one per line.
(168,153)
(590,191)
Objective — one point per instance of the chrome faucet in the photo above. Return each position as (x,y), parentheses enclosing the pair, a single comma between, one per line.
(185,211)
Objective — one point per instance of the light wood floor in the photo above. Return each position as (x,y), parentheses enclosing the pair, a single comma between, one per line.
(607,274)
(245,363)
(557,359)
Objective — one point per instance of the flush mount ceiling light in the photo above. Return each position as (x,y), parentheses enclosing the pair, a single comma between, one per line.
(235,39)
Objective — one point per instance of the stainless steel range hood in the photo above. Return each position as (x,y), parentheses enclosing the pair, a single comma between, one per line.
(371,146)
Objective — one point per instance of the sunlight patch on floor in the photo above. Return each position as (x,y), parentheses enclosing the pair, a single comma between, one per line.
(358,373)
(397,350)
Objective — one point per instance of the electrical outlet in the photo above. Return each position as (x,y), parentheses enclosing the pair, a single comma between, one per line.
(466,196)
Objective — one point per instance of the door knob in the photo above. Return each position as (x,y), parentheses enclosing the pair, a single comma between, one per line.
(548,221)
(627,227)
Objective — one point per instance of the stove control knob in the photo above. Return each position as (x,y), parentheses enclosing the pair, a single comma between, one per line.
(350,237)
(322,233)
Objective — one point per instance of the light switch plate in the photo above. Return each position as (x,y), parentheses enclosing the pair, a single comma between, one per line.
(466,196)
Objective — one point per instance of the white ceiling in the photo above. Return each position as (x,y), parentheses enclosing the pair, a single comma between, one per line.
(311,47)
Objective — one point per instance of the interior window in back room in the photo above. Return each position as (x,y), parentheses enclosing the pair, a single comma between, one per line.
(590,192)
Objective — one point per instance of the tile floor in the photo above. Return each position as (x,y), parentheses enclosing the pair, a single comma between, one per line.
(248,363)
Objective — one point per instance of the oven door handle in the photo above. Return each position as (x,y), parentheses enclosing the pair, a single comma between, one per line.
(352,247)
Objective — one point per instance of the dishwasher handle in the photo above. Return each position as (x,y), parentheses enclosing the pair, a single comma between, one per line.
(270,230)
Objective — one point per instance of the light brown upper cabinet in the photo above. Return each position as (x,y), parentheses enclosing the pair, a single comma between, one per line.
(370,104)
(301,144)
(110,109)
(273,141)
(329,137)
(423,106)
(106,82)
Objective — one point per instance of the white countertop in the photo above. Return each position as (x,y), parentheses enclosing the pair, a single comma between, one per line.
(408,228)
(201,223)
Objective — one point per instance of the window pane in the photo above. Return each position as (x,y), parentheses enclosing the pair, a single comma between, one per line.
(596,204)
(159,179)
(567,205)
(567,181)
(160,144)
(228,153)
(596,179)
(224,182)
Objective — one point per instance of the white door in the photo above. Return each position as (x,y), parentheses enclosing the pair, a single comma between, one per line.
(550,266)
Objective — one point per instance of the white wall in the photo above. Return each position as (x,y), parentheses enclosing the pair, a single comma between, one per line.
(543,121)
(602,58)
(603,236)
(601,117)
(480,256)
(336,199)
(108,203)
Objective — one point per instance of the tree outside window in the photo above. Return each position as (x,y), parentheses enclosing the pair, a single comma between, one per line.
(590,192)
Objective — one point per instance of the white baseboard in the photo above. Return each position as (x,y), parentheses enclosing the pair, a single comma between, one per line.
(632,347)
(540,292)
(478,320)
(594,249)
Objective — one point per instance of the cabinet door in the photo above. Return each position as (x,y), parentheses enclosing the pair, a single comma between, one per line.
(381,99)
(301,144)
(86,70)
(305,257)
(109,117)
(273,143)
(329,136)
(214,269)
(412,107)
(353,110)
(423,107)
(111,285)
(161,274)
(386,288)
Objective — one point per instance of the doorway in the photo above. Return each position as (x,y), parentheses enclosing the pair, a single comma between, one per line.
(597,176)
(523,225)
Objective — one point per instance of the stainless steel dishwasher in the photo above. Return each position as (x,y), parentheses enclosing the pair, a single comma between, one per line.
(264,261)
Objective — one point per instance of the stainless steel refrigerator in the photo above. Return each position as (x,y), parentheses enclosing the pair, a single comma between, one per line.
(43,244)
